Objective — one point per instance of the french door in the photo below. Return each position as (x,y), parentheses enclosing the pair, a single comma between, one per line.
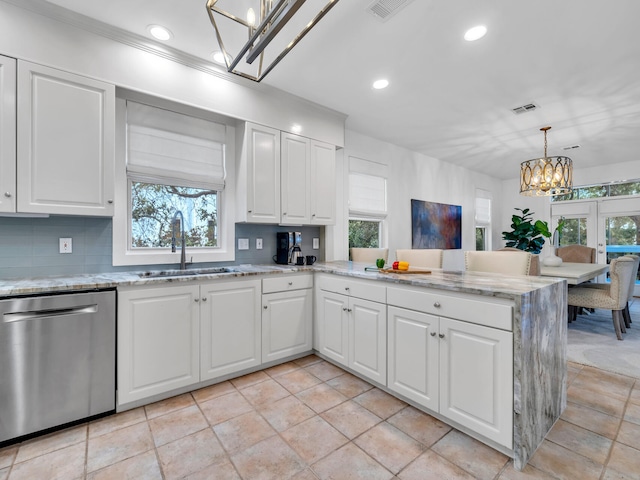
(610,225)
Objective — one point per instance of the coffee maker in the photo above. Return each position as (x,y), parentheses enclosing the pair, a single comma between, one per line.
(288,247)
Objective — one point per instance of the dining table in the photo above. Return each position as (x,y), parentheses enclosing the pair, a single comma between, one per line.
(575,273)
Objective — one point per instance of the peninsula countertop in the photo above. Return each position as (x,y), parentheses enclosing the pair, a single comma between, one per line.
(477,283)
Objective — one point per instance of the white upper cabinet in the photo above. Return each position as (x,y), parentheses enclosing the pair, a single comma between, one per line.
(65,142)
(258,176)
(285,179)
(295,177)
(323,183)
(7,134)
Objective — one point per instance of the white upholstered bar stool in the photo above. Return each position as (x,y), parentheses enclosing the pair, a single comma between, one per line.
(613,298)
(421,257)
(509,263)
(368,255)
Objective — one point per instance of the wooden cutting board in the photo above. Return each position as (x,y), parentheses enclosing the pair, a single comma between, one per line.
(404,272)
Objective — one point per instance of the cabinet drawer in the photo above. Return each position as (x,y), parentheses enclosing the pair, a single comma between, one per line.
(496,314)
(283,283)
(368,290)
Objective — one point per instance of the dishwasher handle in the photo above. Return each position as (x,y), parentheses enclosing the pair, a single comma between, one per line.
(55,312)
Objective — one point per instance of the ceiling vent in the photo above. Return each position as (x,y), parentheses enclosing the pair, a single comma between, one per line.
(571,147)
(383,10)
(529,107)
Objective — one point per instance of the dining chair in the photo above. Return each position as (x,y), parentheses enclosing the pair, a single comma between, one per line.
(368,255)
(612,297)
(534,268)
(626,314)
(421,257)
(577,254)
(509,263)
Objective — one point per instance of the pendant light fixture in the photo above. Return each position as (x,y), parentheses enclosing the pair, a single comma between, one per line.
(264,23)
(546,176)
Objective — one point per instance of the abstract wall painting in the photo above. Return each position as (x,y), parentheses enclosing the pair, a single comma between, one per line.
(435,225)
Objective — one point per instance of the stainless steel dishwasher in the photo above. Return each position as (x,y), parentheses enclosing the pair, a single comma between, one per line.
(57,360)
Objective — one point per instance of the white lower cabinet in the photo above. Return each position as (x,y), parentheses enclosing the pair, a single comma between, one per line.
(158,341)
(170,337)
(287,324)
(352,330)
(459,369)
(230,338)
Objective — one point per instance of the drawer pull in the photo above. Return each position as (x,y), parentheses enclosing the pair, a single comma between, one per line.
(196,300)
(265,307)
(433,334)
(346,288)
(7,194)
(437,304)
(290,283)
(344,309)
(441,335)
(204,299)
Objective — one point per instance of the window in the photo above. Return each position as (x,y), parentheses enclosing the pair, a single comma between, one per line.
(483,219)
(367,203)
(614,189)
(173,162)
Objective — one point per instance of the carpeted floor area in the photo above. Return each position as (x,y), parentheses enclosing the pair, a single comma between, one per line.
(592,341)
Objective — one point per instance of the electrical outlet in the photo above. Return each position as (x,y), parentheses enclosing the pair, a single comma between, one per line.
(258,244)
(316,243)
(243,244)
(65,245)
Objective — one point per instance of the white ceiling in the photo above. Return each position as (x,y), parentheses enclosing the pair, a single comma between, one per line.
(579,60)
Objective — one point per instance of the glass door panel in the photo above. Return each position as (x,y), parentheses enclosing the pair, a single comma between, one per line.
(622,238)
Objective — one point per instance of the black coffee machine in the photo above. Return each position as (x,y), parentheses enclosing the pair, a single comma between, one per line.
(287,244)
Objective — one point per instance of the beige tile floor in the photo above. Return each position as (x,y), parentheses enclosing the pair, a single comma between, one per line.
(308,419)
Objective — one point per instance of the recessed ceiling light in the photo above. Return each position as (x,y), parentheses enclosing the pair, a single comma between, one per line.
(475,33)
(380,84)
(159,32)
(218,57)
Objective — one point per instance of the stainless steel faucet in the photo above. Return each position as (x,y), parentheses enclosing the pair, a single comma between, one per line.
(183,256)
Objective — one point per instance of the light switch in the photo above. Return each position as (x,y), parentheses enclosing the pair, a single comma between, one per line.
(243,244)
(258,244)
(316,243)
(65,245)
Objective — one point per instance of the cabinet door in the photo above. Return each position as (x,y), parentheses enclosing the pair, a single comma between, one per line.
(263,174)
(230,327)
(158,347)
(331,320)
(7,134)
(66,126)
(323,183)
(368,339)
(286,324)
(295,177)
(413,356)
(476,368)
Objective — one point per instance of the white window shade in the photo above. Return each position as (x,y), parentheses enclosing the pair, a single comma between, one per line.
(174,149)
(367,194)
(483,211)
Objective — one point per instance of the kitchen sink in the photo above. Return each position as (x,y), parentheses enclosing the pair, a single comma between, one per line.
(186,273)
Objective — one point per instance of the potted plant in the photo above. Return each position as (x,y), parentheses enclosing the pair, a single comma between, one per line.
(527,234)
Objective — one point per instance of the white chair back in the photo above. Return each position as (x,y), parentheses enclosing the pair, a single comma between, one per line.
(418,257)
(508,263)
(368,255)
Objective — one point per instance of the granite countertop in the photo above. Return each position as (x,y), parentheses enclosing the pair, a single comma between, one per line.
(465,282)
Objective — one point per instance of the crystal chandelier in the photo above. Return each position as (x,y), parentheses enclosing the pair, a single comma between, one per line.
(257,34)
(546,176)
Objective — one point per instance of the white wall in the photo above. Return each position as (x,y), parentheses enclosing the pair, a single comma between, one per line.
(413,176)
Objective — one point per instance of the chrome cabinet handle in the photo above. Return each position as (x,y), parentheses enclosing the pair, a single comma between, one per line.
(196,300)
(344,309)
(433,334)
(7,194)
(441,335)
(437,304)
(290,283)
(265,307)
(109,201)
(346,288)
(204,299)
(349,310)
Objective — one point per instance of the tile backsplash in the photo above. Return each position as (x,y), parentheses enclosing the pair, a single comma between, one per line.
(29,246)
